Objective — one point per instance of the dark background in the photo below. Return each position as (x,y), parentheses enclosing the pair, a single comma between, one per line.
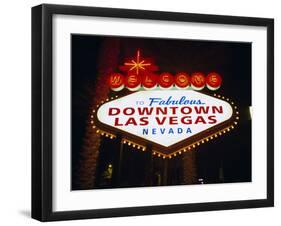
(229,155)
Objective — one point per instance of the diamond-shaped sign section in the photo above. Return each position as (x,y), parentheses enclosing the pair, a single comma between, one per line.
(165,117)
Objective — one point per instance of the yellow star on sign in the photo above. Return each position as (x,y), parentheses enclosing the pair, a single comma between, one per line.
(137,63)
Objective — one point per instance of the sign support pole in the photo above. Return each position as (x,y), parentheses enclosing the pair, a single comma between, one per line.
(118,163)
(149,167)
(165,173)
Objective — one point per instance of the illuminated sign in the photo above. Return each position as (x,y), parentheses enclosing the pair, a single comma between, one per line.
(149,80)
(167,112)
(168,119)
(141,73)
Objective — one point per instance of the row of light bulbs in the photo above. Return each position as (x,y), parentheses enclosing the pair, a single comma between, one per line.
(196,144)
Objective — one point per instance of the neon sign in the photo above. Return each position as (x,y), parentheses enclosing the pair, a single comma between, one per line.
(168,112)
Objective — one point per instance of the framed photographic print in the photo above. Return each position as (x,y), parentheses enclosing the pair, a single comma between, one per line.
(147,112)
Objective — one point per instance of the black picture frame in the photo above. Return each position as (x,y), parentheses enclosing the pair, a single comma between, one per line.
(42,106)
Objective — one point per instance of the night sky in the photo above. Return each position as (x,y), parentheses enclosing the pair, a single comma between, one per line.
(230,153)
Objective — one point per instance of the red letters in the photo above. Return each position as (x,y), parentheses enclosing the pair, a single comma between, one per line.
(113,111)
(149,80)
(166,116)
